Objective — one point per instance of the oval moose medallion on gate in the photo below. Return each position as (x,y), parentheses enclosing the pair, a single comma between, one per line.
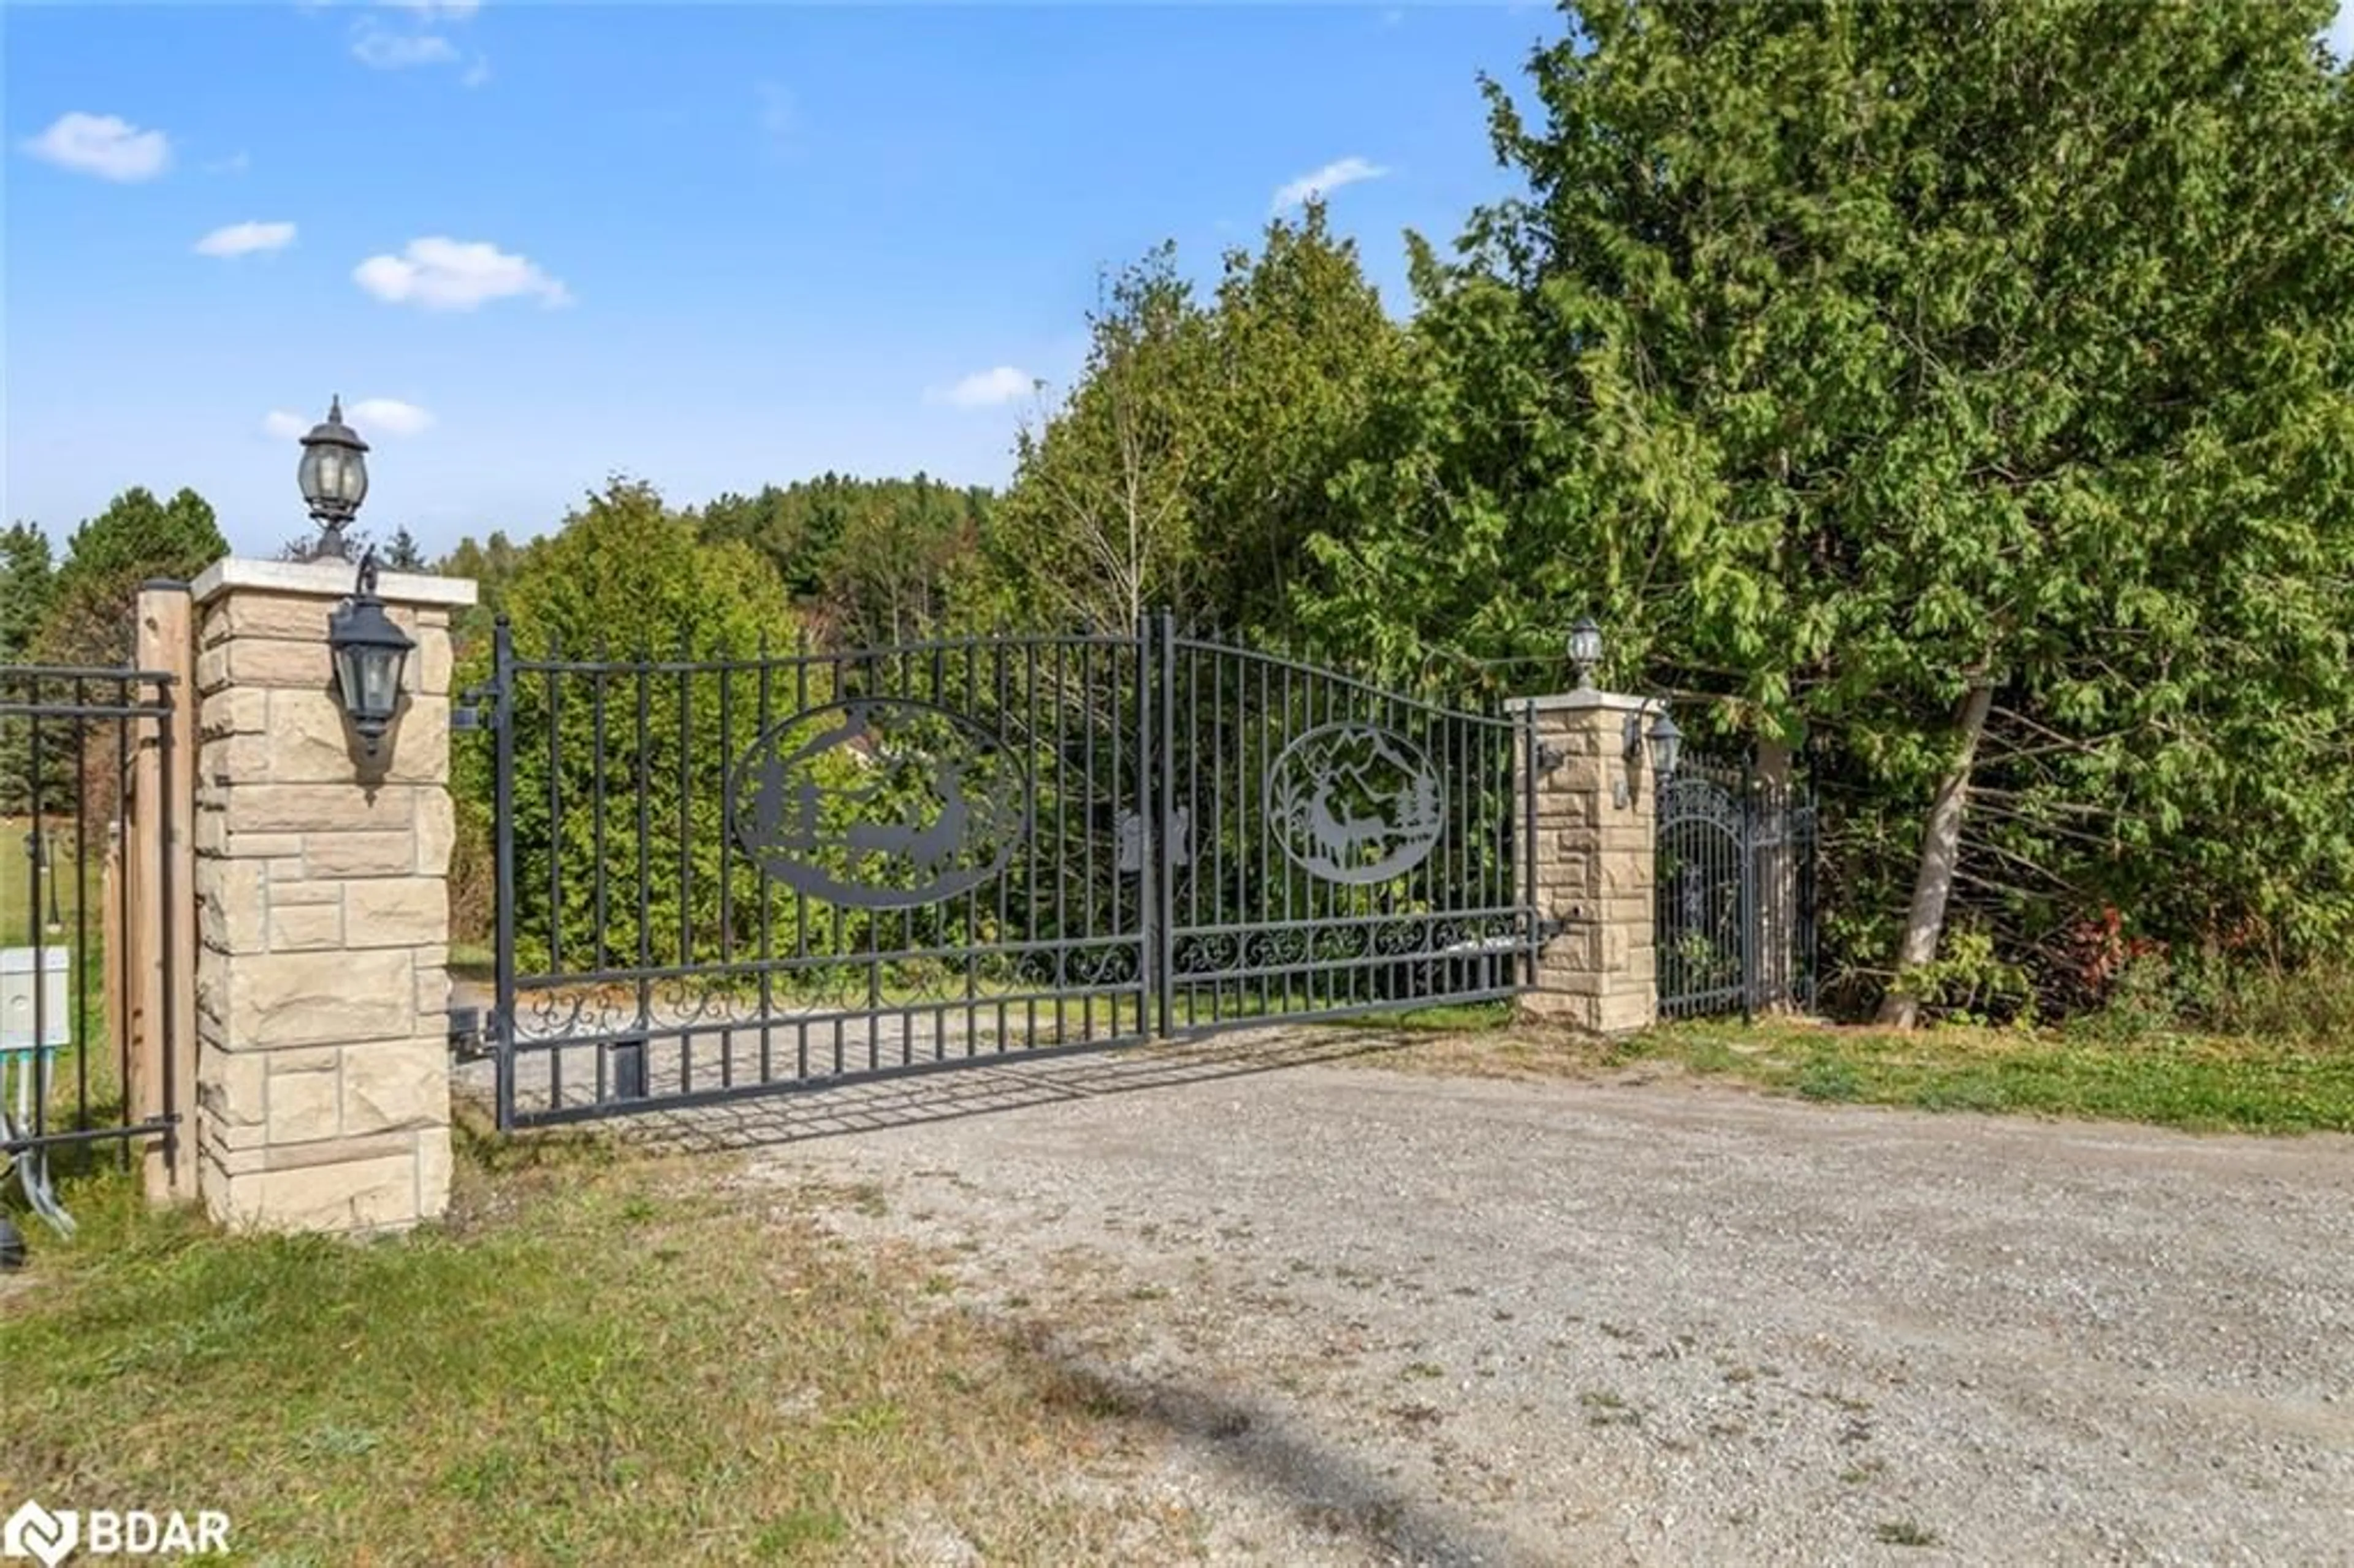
(1350,802)
(878,802)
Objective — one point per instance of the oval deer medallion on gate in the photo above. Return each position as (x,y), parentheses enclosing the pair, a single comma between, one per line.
(1349,802)
(878,802)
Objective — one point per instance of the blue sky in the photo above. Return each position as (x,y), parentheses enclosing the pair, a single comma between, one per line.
(712,246)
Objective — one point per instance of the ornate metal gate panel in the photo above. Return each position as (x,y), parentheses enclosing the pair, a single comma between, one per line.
(1736,892)
(1334,848)
(729,876)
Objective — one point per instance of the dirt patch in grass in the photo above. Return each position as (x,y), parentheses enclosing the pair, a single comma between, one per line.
(2193,1081)
(596,1360)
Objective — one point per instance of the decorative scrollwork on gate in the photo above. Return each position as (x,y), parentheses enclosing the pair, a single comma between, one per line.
(1112,964)
(1207,954)
(1353,803)
(1703,801)
(878,803)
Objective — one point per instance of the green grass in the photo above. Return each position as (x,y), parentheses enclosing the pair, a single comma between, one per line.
(22,917)
(2175,1079)
(18,913)
(597,1359)
(475,960)
(1447,1018)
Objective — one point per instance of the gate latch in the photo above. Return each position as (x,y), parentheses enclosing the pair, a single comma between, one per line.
(475,709)
(469,1042)
(1130,831)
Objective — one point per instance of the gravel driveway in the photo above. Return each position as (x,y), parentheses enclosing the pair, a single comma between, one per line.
(1373,1316)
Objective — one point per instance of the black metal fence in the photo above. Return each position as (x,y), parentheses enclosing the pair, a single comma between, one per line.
(69,740)
(1735,891)
(724,875)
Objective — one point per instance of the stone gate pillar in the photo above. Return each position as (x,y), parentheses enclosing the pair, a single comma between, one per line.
(1596,823)
(323,923)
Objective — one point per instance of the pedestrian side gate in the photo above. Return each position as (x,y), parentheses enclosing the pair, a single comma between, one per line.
(1735,892)
(724,876)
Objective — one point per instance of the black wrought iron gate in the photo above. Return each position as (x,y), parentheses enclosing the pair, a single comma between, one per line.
(720,876)
(1735,890)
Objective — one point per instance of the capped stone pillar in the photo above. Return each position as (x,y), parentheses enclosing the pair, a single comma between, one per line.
(1597,829)
(323,919)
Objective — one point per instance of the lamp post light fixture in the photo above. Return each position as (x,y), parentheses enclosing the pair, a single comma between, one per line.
(1666,744)
(368,651)
(1584,651)
(333,477)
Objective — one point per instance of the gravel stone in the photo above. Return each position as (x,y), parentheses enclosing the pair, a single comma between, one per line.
(1376,1316)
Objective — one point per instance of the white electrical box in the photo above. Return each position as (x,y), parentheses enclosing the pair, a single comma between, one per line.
(18,978)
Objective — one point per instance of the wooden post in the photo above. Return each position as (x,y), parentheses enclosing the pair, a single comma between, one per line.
(115,958)
(162,844)
(137,839)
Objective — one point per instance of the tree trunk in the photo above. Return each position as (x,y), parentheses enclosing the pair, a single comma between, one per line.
(1941,843)
(1777,885)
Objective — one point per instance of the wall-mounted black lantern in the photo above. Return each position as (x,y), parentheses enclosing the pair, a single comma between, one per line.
(334,476)
(1666,744)
(1584,651)
(369,652)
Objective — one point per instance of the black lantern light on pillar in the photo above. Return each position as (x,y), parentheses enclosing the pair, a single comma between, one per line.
(334,476)
(1663,744)
(1667,747)
(369,652)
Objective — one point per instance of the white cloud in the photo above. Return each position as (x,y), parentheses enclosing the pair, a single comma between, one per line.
(245,238)
(235,163)
(985,388)
(371,417)
(387,416)
(1323,182)
(438,273)
(398,51)
(102,144)
(413,39)
(2340,34)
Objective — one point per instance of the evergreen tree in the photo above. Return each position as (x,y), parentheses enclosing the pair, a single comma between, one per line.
(27,584)
(402,554)
(137,538)
(1970,387)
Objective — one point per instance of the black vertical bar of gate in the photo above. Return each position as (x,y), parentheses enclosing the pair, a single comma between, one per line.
(1533,927)
(1163,937)
(1804,911)
(1152,979)
(1751,970)
(502,812)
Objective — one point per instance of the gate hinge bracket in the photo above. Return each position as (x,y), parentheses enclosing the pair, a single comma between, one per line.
(1550,757)
(1548,928)
(477,708)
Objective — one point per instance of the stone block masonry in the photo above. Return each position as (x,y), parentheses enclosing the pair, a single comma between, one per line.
(322,909)
(1597,829)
